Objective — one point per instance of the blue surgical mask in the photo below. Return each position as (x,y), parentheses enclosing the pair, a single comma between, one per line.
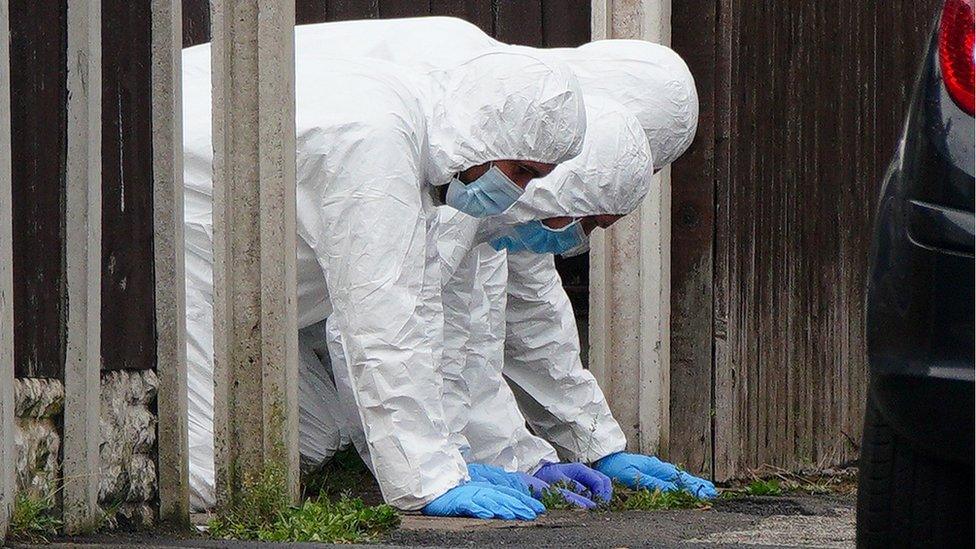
(490,194)
(535,237)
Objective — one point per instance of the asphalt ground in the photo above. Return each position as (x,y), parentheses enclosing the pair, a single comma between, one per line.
(793,520)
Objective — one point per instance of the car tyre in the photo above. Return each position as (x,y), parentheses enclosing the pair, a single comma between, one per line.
(907,498)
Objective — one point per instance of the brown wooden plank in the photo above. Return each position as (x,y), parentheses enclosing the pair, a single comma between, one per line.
(565,23)
(519,22)
(479,12)
(343,10)
(725,432)
(692,233)
(391,9)
(38,94)
(128,295)
(311,11)
(196,22)
(808,112)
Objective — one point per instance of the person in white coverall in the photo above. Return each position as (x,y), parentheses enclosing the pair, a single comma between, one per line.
(559,397)
(490,437)
(372,140)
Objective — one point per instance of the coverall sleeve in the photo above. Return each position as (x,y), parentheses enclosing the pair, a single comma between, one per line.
(560,399)
(478,402)
(369,227)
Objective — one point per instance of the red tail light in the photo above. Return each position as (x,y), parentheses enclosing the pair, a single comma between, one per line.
(956,51)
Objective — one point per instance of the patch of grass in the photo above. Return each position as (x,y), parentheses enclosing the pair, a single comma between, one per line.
(625,499)
(33,519)
(553,499)
(262,513)
(259,504)
(343,521)
(759,487)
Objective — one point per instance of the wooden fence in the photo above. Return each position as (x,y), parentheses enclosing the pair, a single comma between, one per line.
(801,107)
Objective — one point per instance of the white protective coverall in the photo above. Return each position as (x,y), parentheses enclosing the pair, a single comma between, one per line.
(559,398)
(611,175)
(371,139)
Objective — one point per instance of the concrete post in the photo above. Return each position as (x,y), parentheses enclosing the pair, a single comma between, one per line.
(255,316)
(170,281)
(83,243)
(630,273)
(8,486)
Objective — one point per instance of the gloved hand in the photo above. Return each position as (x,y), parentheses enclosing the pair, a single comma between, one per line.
(640,471)
(496,476)
(538,488)
(580,478)
(484,501)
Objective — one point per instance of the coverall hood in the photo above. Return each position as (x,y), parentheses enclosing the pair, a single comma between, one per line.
(610,176)
(503,105)
(649,80)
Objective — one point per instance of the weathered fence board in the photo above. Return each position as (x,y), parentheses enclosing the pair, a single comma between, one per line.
(196,22)
(128,296)
(693,227)
(807,103)
(38,94)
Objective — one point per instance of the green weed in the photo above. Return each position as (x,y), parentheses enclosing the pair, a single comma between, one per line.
(761,487)
(262,513)
(553,499)
(625,499)
(34,519)
(343,521)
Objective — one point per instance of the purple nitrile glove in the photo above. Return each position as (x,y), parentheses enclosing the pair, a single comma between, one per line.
(580,478)
(538,488)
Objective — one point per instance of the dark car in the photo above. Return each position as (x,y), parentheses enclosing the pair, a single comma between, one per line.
(916,480)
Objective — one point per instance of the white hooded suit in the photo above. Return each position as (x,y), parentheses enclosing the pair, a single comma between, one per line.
(636,92)
(371,140)
(484,291)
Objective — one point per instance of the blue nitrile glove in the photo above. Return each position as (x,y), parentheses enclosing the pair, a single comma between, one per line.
(484,501)
(640,471)
(496,476)
(580,478)
(538,488)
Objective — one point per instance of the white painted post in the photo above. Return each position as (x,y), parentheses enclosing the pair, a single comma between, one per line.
(8,487)
(83,243)
(255,315)
(170,291)
(630,273)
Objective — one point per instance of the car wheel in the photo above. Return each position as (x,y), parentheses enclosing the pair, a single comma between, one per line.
(907,498)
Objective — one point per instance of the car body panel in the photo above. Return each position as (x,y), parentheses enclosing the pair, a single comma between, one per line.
(920,304)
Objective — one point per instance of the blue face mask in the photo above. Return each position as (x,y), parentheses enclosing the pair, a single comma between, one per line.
(490,194)
(535,237)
